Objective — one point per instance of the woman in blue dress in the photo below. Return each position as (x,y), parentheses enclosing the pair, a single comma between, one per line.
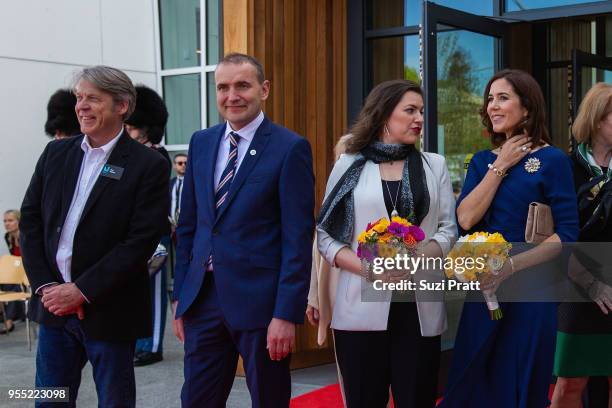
(508,363)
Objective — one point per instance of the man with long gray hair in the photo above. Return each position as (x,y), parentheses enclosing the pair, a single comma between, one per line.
(92,216)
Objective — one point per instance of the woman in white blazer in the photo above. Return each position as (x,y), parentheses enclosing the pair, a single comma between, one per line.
(381,344)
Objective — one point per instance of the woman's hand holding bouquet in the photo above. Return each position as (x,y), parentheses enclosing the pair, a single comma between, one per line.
(489,254)
(384,240)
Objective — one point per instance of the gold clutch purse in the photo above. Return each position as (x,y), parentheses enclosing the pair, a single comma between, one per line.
(540,224)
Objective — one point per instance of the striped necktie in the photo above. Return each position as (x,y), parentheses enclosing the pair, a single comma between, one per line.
(226,179)
(227,176)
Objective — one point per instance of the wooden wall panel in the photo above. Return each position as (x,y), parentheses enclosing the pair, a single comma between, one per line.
(339,55)
(388,13)
(302,46)
(235,25)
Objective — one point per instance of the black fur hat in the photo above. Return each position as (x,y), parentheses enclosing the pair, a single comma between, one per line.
(150,114)
(61,115)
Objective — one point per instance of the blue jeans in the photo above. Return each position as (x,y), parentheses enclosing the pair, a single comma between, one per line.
(64,351)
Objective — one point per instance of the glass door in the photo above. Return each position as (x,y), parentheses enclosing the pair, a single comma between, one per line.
(461,52)
(587,70)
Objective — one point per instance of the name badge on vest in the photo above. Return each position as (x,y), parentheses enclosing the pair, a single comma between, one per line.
(110,171)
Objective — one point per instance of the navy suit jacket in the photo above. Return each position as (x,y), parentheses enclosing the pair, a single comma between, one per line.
(261,240)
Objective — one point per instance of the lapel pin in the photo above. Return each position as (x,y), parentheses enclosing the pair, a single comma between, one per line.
(253,152)
(113,172)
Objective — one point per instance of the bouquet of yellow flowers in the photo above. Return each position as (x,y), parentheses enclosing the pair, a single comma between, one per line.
(386,239)
(488,253)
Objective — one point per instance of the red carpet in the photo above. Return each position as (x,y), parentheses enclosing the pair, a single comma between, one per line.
(330,397)
(326,397)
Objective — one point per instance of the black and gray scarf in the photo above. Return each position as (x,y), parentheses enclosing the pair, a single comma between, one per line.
(337,215)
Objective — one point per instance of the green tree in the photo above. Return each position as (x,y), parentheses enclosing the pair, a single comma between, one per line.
(411,74)
(459,102)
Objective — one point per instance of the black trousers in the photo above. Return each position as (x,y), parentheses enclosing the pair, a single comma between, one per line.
(372,361)
(14,310)
(597,392)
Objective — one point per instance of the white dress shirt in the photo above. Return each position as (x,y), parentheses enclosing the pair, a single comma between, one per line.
(246,136)
(93,160)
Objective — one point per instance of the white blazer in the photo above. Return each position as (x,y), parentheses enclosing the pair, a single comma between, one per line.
(349,311)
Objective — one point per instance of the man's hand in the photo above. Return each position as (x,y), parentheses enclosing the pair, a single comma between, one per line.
(63,299)
(46,288)
(80,312)
(177,324)
(281,338)
(312,313)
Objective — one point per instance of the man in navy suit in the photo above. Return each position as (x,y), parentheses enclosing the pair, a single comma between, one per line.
(244,245)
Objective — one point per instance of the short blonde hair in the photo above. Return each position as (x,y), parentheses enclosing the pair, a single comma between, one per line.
(595,106)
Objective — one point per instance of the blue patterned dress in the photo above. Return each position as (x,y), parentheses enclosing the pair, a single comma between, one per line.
(508,363)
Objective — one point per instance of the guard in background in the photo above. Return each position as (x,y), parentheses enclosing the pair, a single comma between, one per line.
(176,189)
(146,125)
(61,117)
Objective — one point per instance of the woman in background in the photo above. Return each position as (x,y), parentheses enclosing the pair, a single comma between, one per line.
(14,310)
(584,339)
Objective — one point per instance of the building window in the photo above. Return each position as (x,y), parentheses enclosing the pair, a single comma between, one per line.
(189,49)
(588,34)
(395,13)
(520,5)
(466,61)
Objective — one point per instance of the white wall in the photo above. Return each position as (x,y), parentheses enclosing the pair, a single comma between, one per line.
(43,43)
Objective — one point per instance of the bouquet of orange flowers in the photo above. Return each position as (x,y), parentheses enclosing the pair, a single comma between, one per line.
(492,250)
(386,239)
